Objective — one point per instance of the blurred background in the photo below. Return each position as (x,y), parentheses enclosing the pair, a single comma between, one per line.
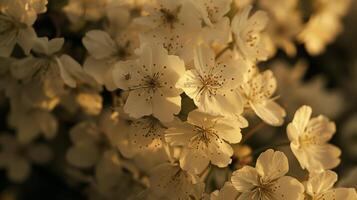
(327,82)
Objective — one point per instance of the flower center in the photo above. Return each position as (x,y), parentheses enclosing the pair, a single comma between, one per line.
(307,140)
(151,83)
(263,191)
(123,51)
(211,11)
(252,39)
(210,83)
(170,18)
(204,136)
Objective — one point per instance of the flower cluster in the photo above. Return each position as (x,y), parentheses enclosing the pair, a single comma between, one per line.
(184,79)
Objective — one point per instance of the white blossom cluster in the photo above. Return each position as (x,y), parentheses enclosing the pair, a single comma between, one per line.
(186,82)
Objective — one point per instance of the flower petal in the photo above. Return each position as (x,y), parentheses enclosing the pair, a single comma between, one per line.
(272,165)
(245,179)
(99,44)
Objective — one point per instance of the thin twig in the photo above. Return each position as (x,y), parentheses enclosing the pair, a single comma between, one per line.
(273,146)
(253,131)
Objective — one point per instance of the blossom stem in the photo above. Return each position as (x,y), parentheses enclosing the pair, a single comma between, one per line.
(253,131)
(261,149)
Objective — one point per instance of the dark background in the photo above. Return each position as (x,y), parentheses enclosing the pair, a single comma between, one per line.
(336,64)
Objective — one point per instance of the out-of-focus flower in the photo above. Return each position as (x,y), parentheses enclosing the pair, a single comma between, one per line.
(88,142)
(40,6)
(309,137)
(90,101)
(16,20)
(321,30)
(320,186)
(285,23)
(42,120)
(267,180)
(40,72)
(323,26)
(294,91)
(110,182)
(206,139)
(257,91)
(169,181)
(213,84)
(241,4)
(73,74)
(46,65)
(82,10)
(151,81)
(16,158)
(122,13)
(248,34)
(86,96)
(108,173)
(104,53)
(173,24)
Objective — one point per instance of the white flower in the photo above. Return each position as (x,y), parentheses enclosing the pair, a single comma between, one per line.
(267,181)
(206,139)
(121,13)
(169,181)
(73,74)
(16,20)
(140,140)
(227,192)
(172,24)
(213,85)
(217,27)
(320,186)
(104,53)
(248,34)
(170,16)
(146,133)
(16,157)
(86,95)
(140,135)
(43,64)
(257,91)
(309,137)
(212,11)
(151,81)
